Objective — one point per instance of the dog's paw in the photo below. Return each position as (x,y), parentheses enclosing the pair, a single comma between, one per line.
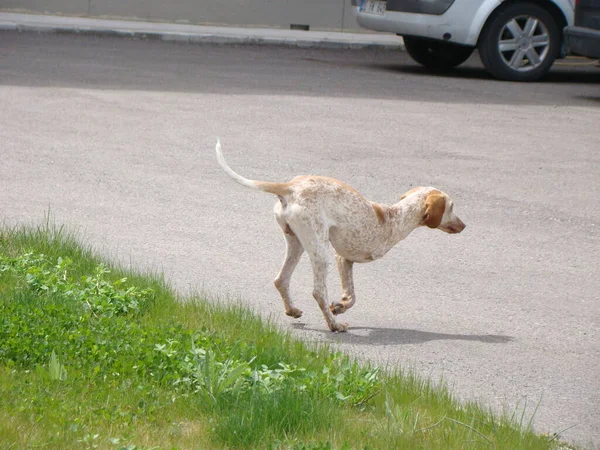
(339,327)
(337,308)
(294,312)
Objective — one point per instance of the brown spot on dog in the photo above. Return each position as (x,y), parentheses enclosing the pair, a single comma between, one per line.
(406,194)
(435,205)
(280,189)
(324,180)
(379,212)
(288,230)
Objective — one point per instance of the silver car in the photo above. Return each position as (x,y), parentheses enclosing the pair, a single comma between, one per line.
(517,40)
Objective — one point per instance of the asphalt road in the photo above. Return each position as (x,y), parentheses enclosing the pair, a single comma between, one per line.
(116,138)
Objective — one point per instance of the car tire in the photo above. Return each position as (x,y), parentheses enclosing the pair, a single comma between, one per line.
(520,42)
(436,55)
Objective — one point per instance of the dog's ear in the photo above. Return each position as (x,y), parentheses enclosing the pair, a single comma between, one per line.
(435,205)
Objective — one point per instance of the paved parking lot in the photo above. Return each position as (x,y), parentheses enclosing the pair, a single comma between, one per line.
(116,137)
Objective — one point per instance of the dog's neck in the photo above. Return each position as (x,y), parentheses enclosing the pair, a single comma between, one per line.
(407,215)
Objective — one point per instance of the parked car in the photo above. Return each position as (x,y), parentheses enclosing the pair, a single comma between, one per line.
(518,40)
(583,38)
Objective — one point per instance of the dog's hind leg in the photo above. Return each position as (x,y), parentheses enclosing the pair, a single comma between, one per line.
(348,298)
(293,253)
(314,238)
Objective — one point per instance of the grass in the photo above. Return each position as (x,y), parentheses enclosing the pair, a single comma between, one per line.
(94,356)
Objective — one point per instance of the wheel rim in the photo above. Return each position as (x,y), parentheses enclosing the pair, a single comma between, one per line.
(524,43)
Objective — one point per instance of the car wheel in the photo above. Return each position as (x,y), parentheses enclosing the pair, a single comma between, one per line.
(520,42)
(436,55)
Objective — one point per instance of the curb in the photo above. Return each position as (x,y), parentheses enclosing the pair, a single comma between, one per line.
(196,34)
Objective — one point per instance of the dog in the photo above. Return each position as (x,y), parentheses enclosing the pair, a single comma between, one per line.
(315,211)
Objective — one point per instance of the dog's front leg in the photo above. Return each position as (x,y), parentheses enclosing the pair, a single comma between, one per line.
(348,298)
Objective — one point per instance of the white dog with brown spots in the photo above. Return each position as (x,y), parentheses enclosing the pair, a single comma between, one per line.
(315,211)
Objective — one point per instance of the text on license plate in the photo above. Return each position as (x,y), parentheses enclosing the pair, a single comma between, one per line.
(373,7)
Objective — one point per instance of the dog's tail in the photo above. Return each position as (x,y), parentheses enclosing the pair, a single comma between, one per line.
(280,189)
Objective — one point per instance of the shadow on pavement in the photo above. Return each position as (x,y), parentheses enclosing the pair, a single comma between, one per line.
(556,75)
(399,336)
(99,63)
(589,98)
(458,73)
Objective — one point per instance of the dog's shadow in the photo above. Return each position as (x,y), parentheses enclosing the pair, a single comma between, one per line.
(399,336)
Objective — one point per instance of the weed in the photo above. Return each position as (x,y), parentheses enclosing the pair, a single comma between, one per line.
(56,369)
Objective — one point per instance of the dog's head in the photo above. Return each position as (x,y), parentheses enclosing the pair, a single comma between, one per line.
(437,209)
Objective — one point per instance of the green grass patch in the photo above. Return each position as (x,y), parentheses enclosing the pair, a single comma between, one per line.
(95,356)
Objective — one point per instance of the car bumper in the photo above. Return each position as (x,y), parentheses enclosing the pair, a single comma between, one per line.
(459,23)
(431,7)
(583,41)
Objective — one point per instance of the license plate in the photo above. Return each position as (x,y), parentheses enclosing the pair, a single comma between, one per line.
(373,7)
